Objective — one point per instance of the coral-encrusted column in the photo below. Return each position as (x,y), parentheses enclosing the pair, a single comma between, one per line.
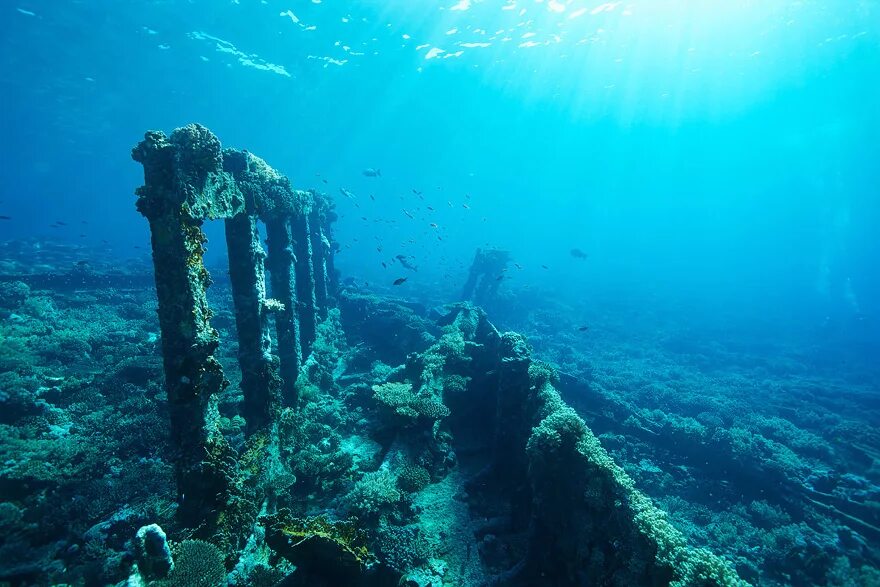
(305,281)
(283,279)
(320,252)
(183,183)
(512,421)
(259,368)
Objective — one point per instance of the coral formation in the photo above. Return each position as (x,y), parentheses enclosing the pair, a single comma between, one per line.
(152,553)
(197,563)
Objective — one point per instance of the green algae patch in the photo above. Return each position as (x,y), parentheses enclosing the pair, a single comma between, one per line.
(319,544)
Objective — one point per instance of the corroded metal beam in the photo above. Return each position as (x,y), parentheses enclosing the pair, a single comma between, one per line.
(283,280)
(260,382)
(320,248)
(305,281)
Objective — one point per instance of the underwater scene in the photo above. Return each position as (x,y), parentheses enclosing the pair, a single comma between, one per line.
(477,293)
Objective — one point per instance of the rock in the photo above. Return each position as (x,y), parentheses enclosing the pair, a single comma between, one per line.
(152,552)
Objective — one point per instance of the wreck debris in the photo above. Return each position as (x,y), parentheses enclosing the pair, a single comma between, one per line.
(189,178)
(572,514)
(584,517)
(485,275)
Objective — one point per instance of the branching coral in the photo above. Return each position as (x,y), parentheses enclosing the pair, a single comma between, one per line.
(196,564)
(400,399)
(413,478)
(374,494)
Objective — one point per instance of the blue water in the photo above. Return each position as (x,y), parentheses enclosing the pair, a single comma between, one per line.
(723,154)
(716,161)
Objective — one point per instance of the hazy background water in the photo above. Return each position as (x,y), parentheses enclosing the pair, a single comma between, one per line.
(711,160)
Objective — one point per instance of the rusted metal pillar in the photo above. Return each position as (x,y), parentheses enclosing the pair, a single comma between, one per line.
(305,281)
(320,251)
(260,382)
(184,183)
(269,196)
(325,219)
(332,273)
(282,277)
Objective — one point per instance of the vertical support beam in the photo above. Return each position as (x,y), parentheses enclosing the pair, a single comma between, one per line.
(177,175)
(328,217)
(512,424)
(259,378)
(305,281)
(282,276)
(332,273)
(320,252)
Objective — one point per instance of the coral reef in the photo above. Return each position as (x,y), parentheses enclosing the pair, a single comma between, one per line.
(368,444)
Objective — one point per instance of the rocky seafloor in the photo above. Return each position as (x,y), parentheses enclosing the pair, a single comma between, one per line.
(394,459)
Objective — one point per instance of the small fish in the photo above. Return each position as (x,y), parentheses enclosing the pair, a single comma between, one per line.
(499,278)
(583,328)
(372,197)
(5,217)
(430,208)
(465,206)
(370,172)
(59,223)
(384,266)
(325,181)
(399,280)
(346,193)
(378,249)
(544,267)
(578,254)
(416,192)
(408,214)
(405,263)
(433,225)
(363,217)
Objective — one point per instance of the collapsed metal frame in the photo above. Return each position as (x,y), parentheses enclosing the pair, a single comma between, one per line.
(188,179)
(584,517)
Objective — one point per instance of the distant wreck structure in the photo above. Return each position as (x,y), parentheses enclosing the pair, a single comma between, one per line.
(485,276)
(189,178)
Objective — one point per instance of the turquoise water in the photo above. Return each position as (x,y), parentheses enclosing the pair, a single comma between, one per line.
(720,152)
(715,162)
